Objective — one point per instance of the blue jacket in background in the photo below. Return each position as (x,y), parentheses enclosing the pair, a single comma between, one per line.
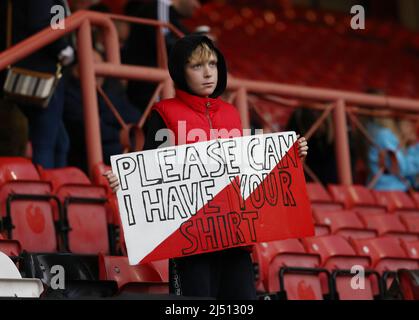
(408,159)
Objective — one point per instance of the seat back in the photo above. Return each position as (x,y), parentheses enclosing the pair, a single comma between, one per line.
(410,221)
(291,254)
(14,168)
(352,196)
(117,268)
(388,224)
(85,211)
(411,248)
(321,230)
(340,258)
(320,198)
(162,267)
(335,252)
(87,217)
(345,290)
(345,223)
(11,248)
(64,176)
(29,215)
(386,253)
(303,287)
(142,278)
(395,200)
(317,193)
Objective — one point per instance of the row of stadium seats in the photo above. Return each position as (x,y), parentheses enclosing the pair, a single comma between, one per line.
(322,267)
(332,55)
(54,210)
(61,211)
(353,61)
(359,225)
(83,276)
(58,217)
(361,198)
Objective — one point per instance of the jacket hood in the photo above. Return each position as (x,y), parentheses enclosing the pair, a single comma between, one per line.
(179,57)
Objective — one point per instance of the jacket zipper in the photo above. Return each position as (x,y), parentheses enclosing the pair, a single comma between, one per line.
(207,113)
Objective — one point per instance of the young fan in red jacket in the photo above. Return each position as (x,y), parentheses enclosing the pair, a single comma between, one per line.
(199,72)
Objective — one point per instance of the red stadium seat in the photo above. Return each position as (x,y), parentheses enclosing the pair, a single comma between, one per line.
(396,201)
(59,177)
(111,207)
(298,270)
(26,208)
(387,256)
(143,278)
(320,198)
(281,41)
(86,219)
(335,252)
(411,221)
(354,196)
(386,253)
(339,258)
(415,197)
(162,267)
(316,192)
(28,216)
(321,229)
(10,247)
(367,211)
(411,248)
(344,223)
(388,225)
(17,169)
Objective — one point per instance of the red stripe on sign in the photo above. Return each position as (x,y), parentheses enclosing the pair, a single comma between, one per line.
(277,208)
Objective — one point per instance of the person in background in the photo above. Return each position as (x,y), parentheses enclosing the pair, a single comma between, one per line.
(47,133)
(109,126)
(321,160)
(398,140)
(141,46)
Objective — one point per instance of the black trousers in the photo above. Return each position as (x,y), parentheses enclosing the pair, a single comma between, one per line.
(223,275)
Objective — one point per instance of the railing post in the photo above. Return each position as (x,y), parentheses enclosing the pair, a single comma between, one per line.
(168,90)
(90,103)
(243,107)
(343,160)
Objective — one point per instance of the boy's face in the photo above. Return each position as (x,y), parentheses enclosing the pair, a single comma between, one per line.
(202,75)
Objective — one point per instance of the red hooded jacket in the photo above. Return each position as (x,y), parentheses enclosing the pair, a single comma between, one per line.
(187,112)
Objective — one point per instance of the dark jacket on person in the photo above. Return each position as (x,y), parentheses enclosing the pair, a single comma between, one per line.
(109,126)
(141,49)
(28,18)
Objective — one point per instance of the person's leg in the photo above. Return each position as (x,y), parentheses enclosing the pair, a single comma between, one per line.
(44,127)
(193,276)
(42,146)
(62,147)
(237,280)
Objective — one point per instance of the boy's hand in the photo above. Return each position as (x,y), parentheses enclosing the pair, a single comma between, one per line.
(302,147)
(113,180)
